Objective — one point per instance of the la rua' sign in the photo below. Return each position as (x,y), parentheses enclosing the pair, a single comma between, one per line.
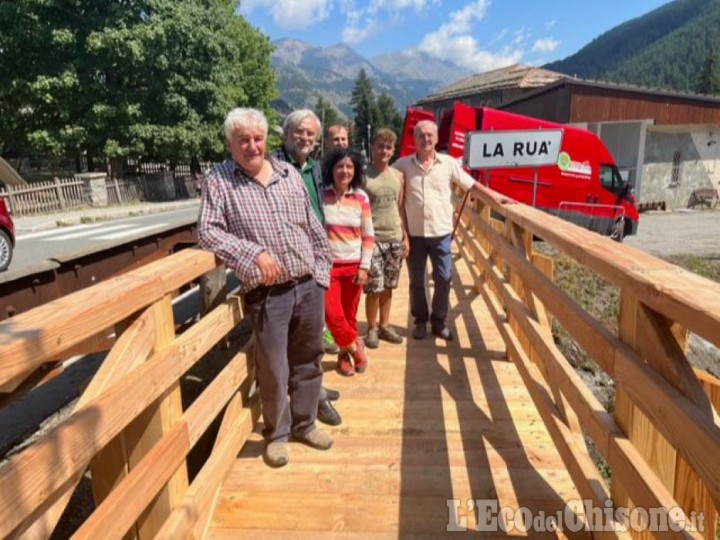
(503,149)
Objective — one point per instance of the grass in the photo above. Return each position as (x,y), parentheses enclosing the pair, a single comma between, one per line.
(705,267)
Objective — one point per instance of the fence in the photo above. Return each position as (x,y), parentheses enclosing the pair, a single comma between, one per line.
(60,194)
(124,191)
(45,197)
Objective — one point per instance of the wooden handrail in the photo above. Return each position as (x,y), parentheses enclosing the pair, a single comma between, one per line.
(135,395)
(655,374)
(128,399)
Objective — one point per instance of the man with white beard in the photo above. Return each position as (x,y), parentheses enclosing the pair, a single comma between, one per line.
(301,131)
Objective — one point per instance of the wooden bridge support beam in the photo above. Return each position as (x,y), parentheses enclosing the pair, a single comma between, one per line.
(662,345)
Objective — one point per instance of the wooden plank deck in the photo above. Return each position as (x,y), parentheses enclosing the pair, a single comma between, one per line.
(427,422)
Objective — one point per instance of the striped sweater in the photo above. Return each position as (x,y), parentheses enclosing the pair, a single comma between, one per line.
(349,227)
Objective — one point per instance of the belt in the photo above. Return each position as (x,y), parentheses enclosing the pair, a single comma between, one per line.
(263,291)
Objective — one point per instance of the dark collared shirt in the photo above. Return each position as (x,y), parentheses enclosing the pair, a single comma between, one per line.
(240,218)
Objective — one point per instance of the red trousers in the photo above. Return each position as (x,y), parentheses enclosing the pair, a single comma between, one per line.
(341,303)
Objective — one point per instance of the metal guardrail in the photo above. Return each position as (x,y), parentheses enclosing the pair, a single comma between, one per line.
(53,278)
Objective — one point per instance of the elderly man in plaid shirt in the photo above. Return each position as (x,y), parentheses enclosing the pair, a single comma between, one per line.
(256,216)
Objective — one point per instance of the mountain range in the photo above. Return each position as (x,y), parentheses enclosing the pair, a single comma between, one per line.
(304,72)
(665,48)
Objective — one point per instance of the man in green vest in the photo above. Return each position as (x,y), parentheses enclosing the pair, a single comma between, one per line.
(301,130)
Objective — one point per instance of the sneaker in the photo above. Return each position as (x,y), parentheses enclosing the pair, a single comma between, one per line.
(317,439)
(420,331)
(330,345)
(276,453)
(371,340)
(390,335)
(443,332)
(361,361)
(344,364)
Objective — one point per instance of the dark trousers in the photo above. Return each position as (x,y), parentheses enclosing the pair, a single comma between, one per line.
(438,249)
(289,348)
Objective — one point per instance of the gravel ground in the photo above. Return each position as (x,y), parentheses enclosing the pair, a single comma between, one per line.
(685,232)
(677,233)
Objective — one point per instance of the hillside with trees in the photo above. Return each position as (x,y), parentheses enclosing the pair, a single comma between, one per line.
(670,47)
(149,78)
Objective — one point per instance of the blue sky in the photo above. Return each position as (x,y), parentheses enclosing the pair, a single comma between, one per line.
(476,34)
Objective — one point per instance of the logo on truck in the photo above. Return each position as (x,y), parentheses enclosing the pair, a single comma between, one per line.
(574,168)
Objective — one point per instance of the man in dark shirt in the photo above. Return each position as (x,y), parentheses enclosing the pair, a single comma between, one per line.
(301,130)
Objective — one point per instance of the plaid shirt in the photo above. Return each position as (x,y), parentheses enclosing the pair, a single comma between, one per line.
(240,218)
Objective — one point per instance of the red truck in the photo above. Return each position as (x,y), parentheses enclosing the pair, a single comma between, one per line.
(584,187)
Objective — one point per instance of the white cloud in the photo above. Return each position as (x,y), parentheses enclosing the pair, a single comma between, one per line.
(361,17)
(546,45)
(499,37)
(454,42)
(398,5)
(355,34)
(293,14)
(461,21)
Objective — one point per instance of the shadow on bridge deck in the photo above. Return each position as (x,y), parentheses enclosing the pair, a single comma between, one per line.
(428,422)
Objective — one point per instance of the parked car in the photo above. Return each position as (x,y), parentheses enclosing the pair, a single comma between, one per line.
(7,236)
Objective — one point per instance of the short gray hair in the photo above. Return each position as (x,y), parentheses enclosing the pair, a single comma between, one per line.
(424,123)
(245,118)
(295,118)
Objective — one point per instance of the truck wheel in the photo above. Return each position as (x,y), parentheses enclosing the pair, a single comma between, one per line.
(617,231)
(6,251)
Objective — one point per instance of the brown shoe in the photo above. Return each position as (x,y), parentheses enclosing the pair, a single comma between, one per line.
(276,453)
(390,335)
(316,438)
(371,339)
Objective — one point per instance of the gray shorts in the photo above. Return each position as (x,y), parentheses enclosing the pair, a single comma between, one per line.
(385,267)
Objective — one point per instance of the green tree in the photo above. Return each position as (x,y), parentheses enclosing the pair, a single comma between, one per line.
(388,115)
(709,79)
(147,78)
(365,108)
(327,114)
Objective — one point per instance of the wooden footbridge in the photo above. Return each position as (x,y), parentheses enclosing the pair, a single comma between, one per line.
(492,435)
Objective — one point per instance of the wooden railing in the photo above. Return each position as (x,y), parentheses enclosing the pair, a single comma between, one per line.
(129,428)
(49,196)
(662,440)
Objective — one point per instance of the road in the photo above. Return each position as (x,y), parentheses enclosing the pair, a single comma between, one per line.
(679,233)
(35,247)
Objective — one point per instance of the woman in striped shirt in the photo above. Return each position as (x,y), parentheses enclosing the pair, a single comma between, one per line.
(350,232)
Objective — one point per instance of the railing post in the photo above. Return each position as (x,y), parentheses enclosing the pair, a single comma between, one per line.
(117,190)
(11,201)
(150,426)
(654,448)
(60,194)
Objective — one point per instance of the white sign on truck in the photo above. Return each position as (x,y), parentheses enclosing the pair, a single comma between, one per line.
(502,149)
